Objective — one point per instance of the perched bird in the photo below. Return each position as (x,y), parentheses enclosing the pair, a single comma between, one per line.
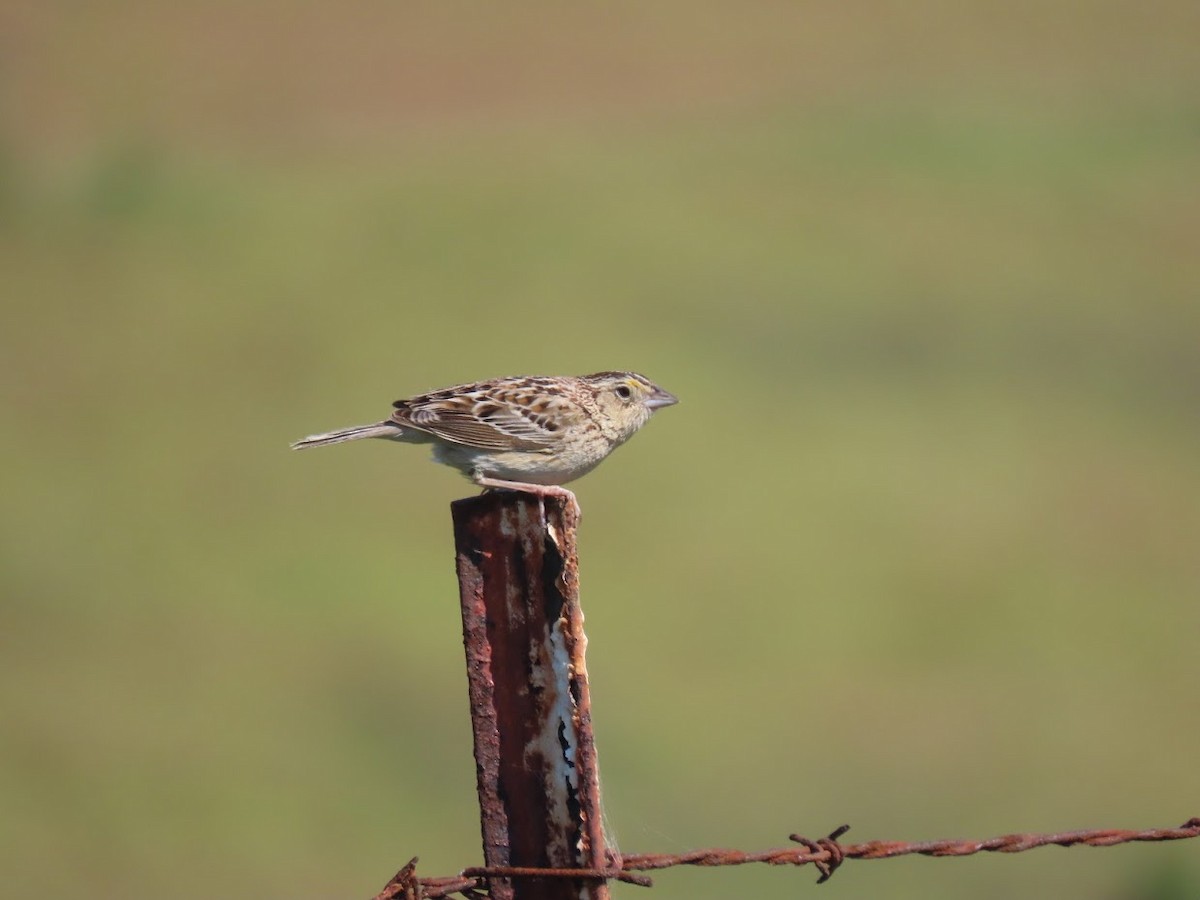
(526,433)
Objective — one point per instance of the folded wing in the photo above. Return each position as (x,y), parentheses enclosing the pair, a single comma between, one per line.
(489,420)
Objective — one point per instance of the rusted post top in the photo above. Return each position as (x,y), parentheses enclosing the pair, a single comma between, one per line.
(538,780)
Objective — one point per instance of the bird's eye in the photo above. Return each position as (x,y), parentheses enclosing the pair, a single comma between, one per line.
(623,391)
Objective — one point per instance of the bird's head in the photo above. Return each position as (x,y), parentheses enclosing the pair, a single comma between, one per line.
(626,400)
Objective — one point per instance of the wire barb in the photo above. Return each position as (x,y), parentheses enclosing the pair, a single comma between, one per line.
(404,884)
(825,854)
(834,855)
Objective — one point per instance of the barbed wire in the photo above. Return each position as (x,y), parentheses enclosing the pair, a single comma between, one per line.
(825,854)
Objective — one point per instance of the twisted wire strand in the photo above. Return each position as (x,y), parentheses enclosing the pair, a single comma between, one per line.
(825,854)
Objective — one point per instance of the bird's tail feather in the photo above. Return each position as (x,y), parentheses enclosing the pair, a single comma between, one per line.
(358,432)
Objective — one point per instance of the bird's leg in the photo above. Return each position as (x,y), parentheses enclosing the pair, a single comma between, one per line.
(540,490)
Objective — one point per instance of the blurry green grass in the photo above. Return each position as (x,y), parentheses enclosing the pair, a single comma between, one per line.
(916,551)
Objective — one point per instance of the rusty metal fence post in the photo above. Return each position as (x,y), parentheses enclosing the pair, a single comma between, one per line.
(535,757)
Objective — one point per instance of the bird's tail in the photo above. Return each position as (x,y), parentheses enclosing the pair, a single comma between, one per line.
(358,432)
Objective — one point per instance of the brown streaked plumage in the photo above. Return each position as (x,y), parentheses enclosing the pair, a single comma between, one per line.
(530,433)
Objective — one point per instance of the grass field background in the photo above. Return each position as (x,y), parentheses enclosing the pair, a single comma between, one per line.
(917,551)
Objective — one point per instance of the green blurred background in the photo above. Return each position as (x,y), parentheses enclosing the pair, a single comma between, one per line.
(917,551)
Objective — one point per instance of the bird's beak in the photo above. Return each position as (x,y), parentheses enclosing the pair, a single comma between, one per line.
(661,398)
